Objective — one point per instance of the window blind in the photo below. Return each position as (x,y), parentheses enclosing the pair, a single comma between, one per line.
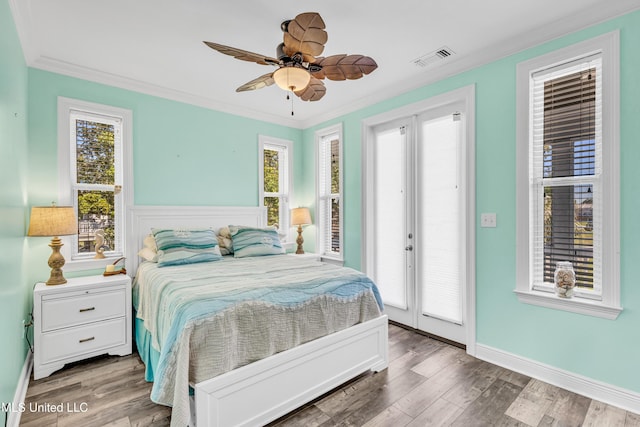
(440,216)
(96,179)
(275,185)
(329,194)
(565,169)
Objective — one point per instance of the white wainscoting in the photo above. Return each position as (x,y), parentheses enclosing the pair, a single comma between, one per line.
(607,393)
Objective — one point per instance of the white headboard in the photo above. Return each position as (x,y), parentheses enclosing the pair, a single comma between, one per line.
(141,219)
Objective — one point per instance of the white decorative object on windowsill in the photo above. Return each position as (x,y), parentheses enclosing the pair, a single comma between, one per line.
(565,279)
(99,245)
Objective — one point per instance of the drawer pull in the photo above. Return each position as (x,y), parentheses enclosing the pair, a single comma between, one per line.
(87,339)
(82,310)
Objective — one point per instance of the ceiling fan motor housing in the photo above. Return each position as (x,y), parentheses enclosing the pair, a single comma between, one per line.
(280,53)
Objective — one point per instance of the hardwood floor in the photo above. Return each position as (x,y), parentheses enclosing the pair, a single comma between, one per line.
(428,383)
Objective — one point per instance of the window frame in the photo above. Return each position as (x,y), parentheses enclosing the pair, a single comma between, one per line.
(567,177)
(321,220)
(265,142)
(609,304)
(67,107)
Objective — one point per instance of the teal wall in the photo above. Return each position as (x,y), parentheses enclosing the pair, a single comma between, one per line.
(601,349)
(15,291)
(182,154)
(187,155)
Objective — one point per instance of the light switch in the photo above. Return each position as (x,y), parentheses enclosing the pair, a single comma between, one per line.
(488,220)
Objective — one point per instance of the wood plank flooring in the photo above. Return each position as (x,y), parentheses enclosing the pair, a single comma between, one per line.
(428,383)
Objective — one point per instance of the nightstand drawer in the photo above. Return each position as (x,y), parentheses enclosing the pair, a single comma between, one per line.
(83,339)
(70,311)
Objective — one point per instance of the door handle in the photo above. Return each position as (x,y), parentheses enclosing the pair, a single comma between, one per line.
(409,248)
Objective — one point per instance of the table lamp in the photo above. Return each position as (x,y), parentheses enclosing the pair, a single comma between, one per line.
(53,221)
(300,217)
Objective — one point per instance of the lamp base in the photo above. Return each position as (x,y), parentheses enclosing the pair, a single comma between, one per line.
(56,261)
(300,241)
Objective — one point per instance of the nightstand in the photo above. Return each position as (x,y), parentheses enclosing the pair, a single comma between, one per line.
(85,317)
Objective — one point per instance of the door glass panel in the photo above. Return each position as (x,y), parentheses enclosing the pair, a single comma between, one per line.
(439,211)
(389,264)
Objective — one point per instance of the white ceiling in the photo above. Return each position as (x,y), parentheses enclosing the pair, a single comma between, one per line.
(155,46)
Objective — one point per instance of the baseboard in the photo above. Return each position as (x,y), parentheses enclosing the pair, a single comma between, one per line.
(607,393)
(13,417)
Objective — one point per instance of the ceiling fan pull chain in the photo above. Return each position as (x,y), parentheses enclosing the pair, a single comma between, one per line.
(291,104)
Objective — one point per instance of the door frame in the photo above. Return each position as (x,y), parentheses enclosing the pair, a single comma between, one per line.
(466,96)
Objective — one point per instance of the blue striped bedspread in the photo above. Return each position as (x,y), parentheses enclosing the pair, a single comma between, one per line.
(206,319)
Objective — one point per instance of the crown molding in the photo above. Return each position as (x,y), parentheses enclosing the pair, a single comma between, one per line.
(540,36)
(21,10)
(97,76)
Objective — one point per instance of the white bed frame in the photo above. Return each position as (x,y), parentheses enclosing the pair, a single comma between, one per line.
(265,390)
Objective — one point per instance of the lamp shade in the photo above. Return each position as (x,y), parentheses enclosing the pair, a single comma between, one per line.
(52,221)
(300,216)
(291,78)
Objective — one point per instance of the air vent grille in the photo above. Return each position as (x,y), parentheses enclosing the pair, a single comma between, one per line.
(433,57)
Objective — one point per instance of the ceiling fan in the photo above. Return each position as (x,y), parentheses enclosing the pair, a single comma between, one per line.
(300,69)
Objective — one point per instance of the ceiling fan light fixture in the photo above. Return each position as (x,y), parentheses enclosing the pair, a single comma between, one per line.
(300,68)
(291,78)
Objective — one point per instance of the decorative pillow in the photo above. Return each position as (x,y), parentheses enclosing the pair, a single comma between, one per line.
(150,242)
(150,251)
(224,241)
(181,246)
(148,255)
(248,241)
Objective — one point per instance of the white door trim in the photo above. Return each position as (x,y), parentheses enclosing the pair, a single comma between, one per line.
(466,95)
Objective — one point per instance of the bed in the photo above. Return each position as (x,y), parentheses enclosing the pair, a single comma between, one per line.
(285,366)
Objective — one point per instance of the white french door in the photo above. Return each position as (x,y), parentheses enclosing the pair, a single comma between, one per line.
(416,219)
(440,226)
(392,256)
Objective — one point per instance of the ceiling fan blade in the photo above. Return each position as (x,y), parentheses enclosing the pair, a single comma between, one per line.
(313,92)
(343,67)
(258,83)
(242,54)
(305,34)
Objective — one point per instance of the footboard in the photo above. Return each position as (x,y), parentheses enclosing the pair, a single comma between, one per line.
(270,388)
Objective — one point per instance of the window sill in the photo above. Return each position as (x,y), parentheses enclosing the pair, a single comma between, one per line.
(88,264)
(574,305)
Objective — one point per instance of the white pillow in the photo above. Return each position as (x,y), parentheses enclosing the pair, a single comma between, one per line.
(148,254)
(150,250)
(150,242)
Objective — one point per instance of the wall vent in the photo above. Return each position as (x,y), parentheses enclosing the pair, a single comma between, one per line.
(433,57)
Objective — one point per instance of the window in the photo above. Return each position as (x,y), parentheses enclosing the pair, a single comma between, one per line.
(568,191)
(329,192)
(275,176)
(95,177)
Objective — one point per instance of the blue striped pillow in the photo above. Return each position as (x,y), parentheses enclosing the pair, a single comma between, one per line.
(181,246)
(249,241)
